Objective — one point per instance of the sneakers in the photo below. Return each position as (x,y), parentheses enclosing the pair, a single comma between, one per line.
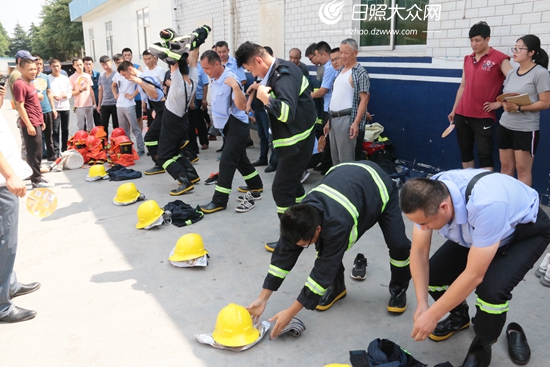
(359,271)
(543,267)
(42,183)
(305,175)
(246,189)
(245,206)
(213,179)
(545,279)
(250,196)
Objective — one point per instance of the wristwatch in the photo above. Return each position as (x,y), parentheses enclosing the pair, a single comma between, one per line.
(519,108)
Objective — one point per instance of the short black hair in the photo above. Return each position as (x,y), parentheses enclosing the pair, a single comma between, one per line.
(310,50)
(269,50)
(117,57)
(211,56)
(299,222)
(75,59)
(103,59)
(124,66)
(422,194)
(480,29)
(337,49)
(127,49)
(146,53)
(53,61)
(87,58)
(24,61)
(222,44)
(37,56)
(248,50)
(323,47)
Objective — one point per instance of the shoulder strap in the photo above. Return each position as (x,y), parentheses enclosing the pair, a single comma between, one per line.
(473,181)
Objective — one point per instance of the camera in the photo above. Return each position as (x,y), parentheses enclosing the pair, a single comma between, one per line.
(3,80)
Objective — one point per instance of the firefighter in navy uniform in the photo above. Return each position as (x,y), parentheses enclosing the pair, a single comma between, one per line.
(292,116)
(350,199)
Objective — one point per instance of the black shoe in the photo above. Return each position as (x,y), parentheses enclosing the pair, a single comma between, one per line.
(18,314)
(479,355)
(335,292)
(249,143)
(398,297)
(259,162)
(320,168)
(518,348)
(458,319)
(219,150)
(270,246)
(155,170)
(212,208)
(270,168)
(26,289)
(184,186)
(246,189)
(359,271)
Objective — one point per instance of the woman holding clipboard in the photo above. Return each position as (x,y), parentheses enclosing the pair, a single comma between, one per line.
(518,133)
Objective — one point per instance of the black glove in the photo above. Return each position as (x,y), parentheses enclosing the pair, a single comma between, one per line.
(199,35)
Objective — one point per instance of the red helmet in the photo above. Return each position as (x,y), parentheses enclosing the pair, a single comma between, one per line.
(80,136)
(121,139)
(118,132)
(98,132)
(92,142)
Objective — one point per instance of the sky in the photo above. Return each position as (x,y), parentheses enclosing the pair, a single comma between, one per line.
(23,11)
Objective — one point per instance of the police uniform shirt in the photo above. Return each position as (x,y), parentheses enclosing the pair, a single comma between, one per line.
(497,204)
(328,79)
(239,71)
(222,100)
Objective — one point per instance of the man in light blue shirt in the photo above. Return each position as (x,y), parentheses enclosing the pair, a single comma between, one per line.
(228,115)
(222,49)
(198,114)
(495,233)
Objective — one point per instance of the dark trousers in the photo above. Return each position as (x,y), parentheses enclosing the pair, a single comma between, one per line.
(106,113)
(61,123)
(287,189)
(34,151)
(479,131)
(152,136)
(326,160)
(262,122)
(233,158)
(197,128)
(173,137)
(507,269)
(9,221)
(97,118)
(48,135)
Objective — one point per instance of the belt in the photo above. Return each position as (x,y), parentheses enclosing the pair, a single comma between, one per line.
(340,113)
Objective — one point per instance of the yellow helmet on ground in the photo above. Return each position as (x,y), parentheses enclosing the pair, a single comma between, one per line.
(97,170)
(189,246)
(234,327)
(148,213)
(126,194)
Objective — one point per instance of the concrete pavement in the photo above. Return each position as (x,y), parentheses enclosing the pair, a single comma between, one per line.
(110,297)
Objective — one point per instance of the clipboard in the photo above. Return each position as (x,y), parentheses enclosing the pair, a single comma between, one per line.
(519,99)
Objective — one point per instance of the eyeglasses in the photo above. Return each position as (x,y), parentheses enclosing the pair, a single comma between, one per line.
(518,49)
(309,244)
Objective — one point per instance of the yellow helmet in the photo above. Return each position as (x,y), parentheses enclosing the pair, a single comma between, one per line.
(126,193)
(189,246)
(234,327)
(97,171)
(148,213)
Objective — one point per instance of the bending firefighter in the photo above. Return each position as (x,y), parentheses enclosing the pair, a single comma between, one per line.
(495,232)
(350,199)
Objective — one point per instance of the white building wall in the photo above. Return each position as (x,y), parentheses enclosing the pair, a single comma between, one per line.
(122,14)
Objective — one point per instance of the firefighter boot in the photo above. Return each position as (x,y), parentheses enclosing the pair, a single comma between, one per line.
(479,354)
(458,319)
(184,186)
(336,291)
(398,297)
(155,170)
(192,173)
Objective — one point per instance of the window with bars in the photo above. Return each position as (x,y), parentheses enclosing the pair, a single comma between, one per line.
(109,38)
(143,29)
(91,43)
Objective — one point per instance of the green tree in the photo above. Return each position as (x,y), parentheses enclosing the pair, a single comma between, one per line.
(57,36)
(37,42)
(20,40)
(4,41)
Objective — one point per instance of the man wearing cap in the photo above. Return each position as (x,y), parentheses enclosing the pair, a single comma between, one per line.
(11,187)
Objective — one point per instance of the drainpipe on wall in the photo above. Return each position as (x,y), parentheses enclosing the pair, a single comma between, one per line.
(230,22)
(463,9)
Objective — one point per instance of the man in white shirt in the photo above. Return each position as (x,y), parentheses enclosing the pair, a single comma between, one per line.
(61,92)
(155,71)
(124,92)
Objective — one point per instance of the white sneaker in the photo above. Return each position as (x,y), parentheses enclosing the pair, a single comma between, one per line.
(250,196)
(545,279)
(245,206)
(543,267)
(42,183)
